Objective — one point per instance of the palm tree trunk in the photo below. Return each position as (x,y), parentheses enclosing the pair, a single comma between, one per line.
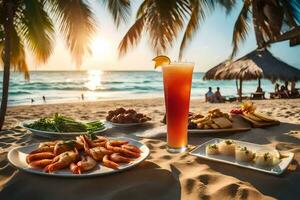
(256,24)
(7,46)
(241,91)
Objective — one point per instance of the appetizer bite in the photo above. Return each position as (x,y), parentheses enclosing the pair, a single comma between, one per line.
(249,111)
(227,147)
(215,119)
(264,159)
(212,149)
(243,154)
(123,116)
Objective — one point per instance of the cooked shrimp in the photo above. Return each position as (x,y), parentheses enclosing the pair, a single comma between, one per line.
(97,153)
(41,163)
(87,163)
(122,150)
(129,153)
(118,143)
(62,161)
(109,163)
(44,148)
(39,156)
(100,141)
(61,147)
(116,157)
(132,148)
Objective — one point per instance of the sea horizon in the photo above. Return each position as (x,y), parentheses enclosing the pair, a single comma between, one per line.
(97,85)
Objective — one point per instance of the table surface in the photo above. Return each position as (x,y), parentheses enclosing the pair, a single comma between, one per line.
(162,175)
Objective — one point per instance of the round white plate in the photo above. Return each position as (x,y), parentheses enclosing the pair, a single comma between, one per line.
(127,124)
(50,134)
(17,157)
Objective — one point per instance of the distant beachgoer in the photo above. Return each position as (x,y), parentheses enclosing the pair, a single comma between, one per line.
(293,85)
(209,96)
(44,99)
(276,91)
(276,88)
(284,92)
(82,97)
(32,100)
(218,96)
(294,90)
(286,85)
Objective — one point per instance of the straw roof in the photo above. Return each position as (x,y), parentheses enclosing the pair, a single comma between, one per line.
(256,64)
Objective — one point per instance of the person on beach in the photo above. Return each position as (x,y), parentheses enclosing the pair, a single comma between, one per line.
(284,92)
(209,96)
(44,99)
(218,97)
(32,100)
(82,97)
(294,90)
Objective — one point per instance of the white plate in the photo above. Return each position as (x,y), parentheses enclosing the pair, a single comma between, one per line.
(50,134)
(17,157)
(221,130)
(127,124)
(277,169)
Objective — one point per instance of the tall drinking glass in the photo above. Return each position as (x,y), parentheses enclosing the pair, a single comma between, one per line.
(177,88)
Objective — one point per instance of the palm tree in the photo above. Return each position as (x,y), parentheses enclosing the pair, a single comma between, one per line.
(30,23)
(162,20)
(273,21)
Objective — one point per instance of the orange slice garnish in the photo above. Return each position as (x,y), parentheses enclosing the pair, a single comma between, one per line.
(161,61)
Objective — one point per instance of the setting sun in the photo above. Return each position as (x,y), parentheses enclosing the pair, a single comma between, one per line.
(101,46)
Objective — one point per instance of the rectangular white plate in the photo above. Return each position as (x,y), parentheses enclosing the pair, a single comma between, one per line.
(277,169)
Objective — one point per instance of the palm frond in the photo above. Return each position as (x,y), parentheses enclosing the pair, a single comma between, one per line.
(18,57)
(227,4)
(199,11)
(161,20)
(119,9)
(241,27)
(36,28)
(197,15)
(165,18)
(294,7)
(132,37)
(289,15)
(143,8)
(76,22)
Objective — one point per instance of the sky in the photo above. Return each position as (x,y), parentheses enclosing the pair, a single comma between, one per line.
(210,45)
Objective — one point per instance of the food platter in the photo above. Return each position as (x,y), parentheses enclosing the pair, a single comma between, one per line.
(51,134)
(124,125)
(122,117)
(17,157)
(260,124)
(277,169)
(238,125)
(255,117)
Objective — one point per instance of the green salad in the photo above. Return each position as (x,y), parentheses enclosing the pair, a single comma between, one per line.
(60,123)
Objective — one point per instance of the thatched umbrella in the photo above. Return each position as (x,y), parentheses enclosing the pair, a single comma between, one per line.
(255,65)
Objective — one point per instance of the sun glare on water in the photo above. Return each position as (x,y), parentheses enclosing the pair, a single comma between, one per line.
(94,79)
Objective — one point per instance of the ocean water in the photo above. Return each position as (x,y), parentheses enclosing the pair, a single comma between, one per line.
(68,86)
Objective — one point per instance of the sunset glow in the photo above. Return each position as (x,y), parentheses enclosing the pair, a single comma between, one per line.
(101,47)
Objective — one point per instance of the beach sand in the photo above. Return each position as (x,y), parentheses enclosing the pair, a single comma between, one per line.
(182,175)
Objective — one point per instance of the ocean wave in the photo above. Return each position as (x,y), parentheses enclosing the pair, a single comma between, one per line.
(18,92)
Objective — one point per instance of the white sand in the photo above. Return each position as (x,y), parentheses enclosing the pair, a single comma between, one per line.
(177,175)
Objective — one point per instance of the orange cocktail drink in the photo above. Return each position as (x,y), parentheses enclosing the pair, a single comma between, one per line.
(177,88)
